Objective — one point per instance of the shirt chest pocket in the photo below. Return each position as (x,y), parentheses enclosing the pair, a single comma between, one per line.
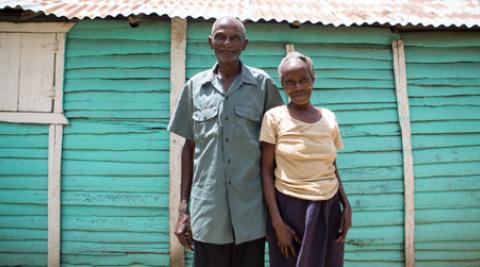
(247,122)
(205,124)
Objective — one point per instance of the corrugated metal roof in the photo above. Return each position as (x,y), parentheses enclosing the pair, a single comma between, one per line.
(330,12)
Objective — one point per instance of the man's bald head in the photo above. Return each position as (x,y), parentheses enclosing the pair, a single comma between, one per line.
(229,20)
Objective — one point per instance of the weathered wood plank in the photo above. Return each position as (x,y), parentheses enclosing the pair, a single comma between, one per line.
(24,153)
(434,91)
(132,156)
(447,169)
(74,167)
(10,55)
(404,120)
(37,63)
(177,79)
(120,30)
(447,155)
(34,141)
(473,101)
(99,47)
(24,209)
(374,187)
(115,259)
(117,73)
(54,191)
(445,129)
(147,184)
(38,27)
(133,141)
(439,82)
(455,71)
(440,215)
(23,167)
(465,231)
(23,259)
(119,61)
(118,85)
(30,117)
(446,201)
(118,114)
(101,211)
(442,55)
(305,34)
(22,182)
(454,39)
(59,73)
(87,126)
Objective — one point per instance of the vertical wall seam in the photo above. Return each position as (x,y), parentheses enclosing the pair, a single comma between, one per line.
(289,48)
(178,45)
(55,156)
(399,67)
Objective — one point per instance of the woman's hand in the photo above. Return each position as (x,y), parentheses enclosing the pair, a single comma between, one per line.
(285,238)
(345,223)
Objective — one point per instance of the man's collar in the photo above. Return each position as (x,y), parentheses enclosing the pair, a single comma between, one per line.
(245,74)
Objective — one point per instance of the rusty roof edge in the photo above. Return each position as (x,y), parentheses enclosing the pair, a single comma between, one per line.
(387,22)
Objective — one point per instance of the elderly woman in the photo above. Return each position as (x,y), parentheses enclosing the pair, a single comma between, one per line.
(301,184)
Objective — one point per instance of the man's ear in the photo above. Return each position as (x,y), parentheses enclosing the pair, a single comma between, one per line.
(246,43)
(210,41)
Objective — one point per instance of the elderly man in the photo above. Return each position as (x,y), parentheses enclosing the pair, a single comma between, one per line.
(219,113)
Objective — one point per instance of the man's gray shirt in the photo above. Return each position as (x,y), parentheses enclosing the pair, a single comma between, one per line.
(226,200)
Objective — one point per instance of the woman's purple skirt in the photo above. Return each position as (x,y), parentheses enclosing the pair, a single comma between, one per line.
(316,224)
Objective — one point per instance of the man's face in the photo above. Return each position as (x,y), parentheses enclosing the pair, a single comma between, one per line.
(228,41)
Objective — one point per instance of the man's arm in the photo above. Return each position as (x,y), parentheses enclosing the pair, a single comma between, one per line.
(183,229)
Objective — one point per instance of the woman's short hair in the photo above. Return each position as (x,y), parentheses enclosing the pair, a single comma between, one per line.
(294,55)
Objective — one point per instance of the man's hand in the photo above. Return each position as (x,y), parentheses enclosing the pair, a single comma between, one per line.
(183,229)
(285,238)
(345,223)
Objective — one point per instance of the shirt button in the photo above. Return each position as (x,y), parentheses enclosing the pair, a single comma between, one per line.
(226,97)
(229,183)
(226,140)
(226,118)
(228,161)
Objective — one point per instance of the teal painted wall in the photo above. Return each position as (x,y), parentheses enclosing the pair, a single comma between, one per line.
(355,80)
(115,152)
(23,194)
(443,71)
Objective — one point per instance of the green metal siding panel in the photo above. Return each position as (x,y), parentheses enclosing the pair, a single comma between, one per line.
(23,194)
(115,168)
(444,94)
(354,79)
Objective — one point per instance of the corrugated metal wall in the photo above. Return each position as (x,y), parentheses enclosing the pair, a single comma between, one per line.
(354,79)
(443,72)
(115,151)
(23,194)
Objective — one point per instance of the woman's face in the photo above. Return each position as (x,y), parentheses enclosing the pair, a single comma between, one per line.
(297,82)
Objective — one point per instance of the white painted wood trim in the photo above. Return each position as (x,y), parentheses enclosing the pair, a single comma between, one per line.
(399,67)
(59,70)
(37,27)
(289,48)
(177,80)
(55,161)
(54,192)
(35,118)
